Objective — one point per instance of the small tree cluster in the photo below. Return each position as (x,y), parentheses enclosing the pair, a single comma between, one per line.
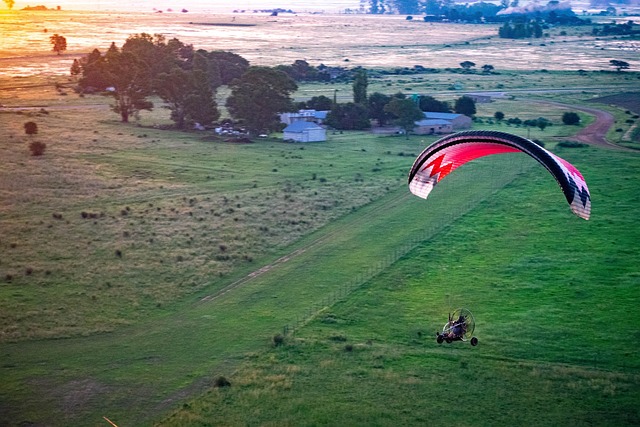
(520,30)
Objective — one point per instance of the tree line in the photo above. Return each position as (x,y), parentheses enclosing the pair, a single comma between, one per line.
(397,109)
(187,79)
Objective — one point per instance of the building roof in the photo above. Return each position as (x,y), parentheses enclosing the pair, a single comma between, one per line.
(433,122)
(443,116)
(301,126)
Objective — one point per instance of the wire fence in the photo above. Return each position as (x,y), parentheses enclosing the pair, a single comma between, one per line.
(432,229)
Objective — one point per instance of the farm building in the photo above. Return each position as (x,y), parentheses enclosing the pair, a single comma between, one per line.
(302,131)
(313,116)
(432,126)
(458,121)
(435,123)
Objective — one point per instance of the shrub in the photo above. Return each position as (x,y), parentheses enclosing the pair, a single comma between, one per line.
(278,340)
(221,382)
(571,144)
(570,118)
(31,128)
(37,148)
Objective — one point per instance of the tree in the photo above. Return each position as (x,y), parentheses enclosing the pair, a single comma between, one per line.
(542,123)
(377,101)
(349,116)
(153,51)
(230,65)
(129,77)
(59,43)
(31,128)
(406,113)
(320,103)
(210,69)
(189,97)
(498,115)
(467,65)
(200,105)
(406,7)
(465,105)
(487,68)
(37,148)
(259,96)
(360,84)
(429,103)
(619,65)
(94,73)
(76,69)
(570,118)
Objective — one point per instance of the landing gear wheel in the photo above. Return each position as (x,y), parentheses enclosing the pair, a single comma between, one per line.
(439,339)
(474,341)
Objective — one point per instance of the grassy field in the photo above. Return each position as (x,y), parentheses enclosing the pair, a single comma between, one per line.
(553,299)
(381,271)
(137,265)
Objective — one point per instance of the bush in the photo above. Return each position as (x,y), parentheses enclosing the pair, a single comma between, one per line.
(570,118)
(221,382)
(278,340)
(571,144)
(37,148)
(30,128)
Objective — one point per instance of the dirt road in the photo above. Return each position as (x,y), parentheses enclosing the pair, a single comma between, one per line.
(596,132)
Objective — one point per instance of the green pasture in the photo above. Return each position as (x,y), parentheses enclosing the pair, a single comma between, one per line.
(139,264)
(553,297)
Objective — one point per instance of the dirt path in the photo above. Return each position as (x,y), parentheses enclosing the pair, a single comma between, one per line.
(596,132)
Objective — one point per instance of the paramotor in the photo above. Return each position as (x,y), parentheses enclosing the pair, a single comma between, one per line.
(460,327)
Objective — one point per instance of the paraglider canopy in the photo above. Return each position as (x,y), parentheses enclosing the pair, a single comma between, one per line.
(448,153)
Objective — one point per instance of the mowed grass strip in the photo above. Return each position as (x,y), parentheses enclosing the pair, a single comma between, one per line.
(553,297)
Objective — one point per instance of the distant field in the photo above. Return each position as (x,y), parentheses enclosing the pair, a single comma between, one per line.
(335,40)
(630,101)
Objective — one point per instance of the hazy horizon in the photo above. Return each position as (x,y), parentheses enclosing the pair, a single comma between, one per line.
(193,5)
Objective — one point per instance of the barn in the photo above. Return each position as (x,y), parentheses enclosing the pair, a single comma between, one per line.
(432,126)
(302,131)
(458,121)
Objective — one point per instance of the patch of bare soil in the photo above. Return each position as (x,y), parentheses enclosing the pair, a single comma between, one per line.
(630,101)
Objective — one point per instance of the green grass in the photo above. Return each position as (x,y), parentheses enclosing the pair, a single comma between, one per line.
(132,308)
(553,298)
